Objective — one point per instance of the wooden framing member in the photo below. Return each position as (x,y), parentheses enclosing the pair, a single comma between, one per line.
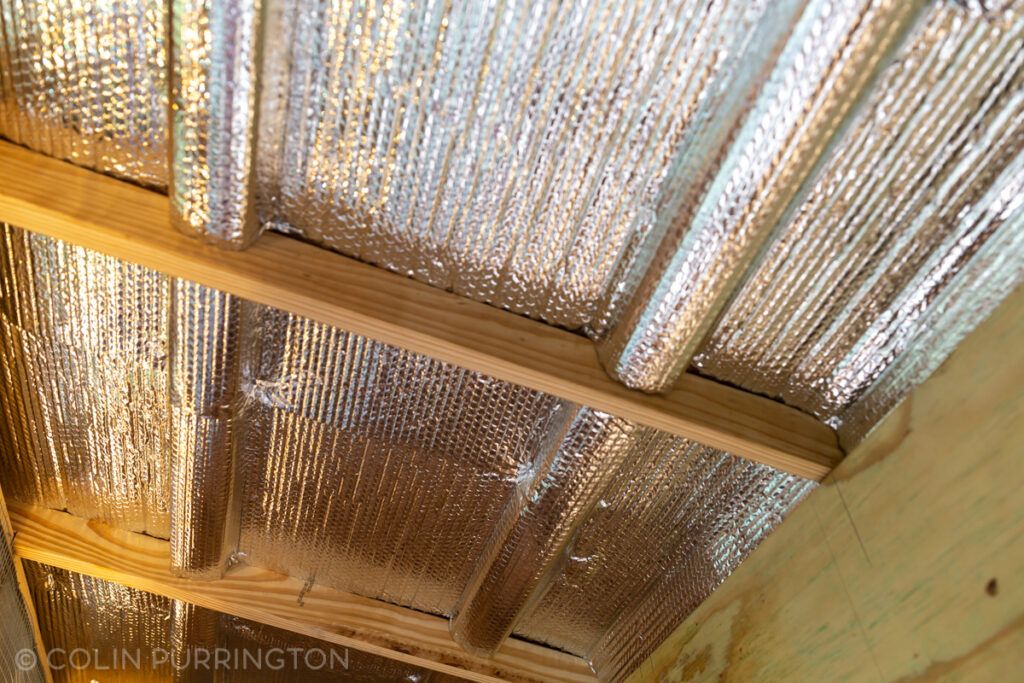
(116,218)
(26,596)
(906,564)
(62,540)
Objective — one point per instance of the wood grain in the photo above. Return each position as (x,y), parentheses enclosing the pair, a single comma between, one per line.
(116,218)
(907,563)
(96,549)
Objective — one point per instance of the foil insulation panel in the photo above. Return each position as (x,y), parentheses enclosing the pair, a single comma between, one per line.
(123,634)
(214,64)
(372,469)
(117,394)
(909,236)
(87,82)
(84,346)
(16,638)
(204,377)
(517,153)
(738,193)
(702,512)
(358,465)
(89,625)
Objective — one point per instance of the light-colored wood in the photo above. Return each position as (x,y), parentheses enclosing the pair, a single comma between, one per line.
(116,218)
(26,595)
(907,563)
(96,549)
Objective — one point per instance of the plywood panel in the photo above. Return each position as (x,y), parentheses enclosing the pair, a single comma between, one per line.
(906,563)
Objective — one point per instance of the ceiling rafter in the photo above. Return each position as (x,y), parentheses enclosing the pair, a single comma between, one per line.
(133,224)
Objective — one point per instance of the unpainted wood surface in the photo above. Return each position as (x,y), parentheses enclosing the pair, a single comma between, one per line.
(116,218)
(907,563)
(96,549)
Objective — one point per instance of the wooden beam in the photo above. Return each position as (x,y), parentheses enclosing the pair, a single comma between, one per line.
(907,563)
(116,218)
(26,595)
(142,562)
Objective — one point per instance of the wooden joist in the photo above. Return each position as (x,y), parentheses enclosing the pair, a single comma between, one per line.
(906,564)
(119,219)
(138,561)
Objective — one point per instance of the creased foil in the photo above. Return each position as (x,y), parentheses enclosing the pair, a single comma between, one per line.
(358,465)
(204,392)
(737,197)
(373,469)
(516,153)
(123,634)
(215,50)
(582,450)
(83,345)
(86,82)
(910,235)
(89,625)
(15,631)
(618,592)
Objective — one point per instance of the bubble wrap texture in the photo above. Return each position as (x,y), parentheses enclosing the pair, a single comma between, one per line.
(87,82)
(911,234)
(214,49)
(83,346)
(737,194)
(103,618)
(672,524)
(580,453)
(358,465)
(517,153)
(171,637)
(373,469)
(546,184)
(15,631)
(116,395)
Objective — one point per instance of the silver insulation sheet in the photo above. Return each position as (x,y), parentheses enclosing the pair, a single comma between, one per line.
(84,397)
(910,235)
(517,153)
(214,65)
(97,630)
(89,624)
(19,660)
(117,395)
(738,192)
(87,82)
(615,518)
(373,469)
(357,465)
